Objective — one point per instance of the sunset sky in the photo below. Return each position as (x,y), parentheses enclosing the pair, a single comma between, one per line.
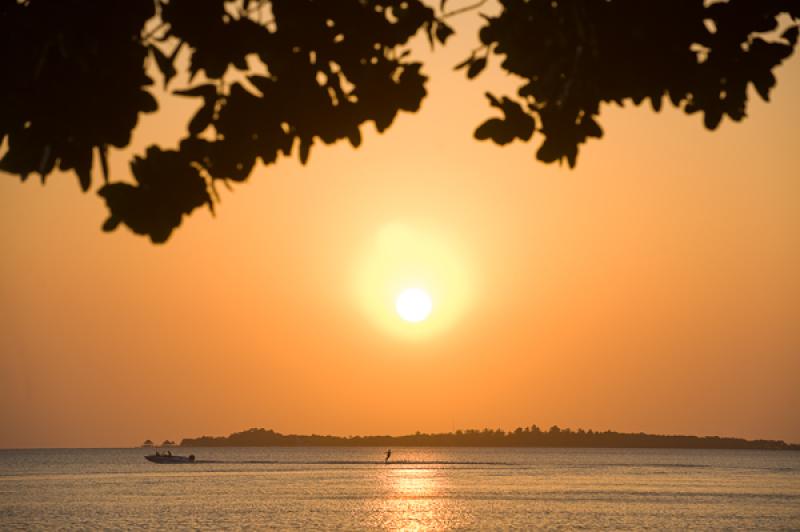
(653,288)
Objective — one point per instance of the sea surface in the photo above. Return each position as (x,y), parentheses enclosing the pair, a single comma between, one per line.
(420,488)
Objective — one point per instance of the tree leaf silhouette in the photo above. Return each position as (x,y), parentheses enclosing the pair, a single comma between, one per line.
(516,123)
(443,32)
(575,56)
(76,82)
(76,79)
(476,66)
(165,64)
(168,187)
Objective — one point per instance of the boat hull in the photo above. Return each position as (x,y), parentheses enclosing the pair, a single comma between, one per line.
(170,459)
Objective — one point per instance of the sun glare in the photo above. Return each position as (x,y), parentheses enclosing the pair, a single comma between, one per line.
(412,283)
(413,304)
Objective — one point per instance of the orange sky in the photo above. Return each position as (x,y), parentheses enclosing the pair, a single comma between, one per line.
(654,288)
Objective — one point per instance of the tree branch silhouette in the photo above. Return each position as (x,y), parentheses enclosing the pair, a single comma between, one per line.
(573,56)
(317,71)
(464,9)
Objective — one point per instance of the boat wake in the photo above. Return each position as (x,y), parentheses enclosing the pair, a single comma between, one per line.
(355,462)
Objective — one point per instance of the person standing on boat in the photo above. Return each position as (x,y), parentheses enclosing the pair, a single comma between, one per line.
(388,455)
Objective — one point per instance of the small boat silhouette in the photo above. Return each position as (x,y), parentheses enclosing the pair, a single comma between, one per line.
(170,459)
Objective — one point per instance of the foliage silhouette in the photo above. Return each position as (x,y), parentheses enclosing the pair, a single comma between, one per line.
(575,55)
(521,437)
(77,79)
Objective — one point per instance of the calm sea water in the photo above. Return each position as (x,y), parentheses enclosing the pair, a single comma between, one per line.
(424,488)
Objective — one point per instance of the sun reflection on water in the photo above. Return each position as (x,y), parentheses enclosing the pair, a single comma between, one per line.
(414,499)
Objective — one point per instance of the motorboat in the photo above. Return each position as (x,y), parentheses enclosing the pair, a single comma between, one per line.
(159,458)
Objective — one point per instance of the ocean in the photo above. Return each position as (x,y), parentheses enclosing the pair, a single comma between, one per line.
(420,488)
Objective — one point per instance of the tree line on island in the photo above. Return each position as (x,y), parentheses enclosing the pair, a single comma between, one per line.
(165,443)
(531,436)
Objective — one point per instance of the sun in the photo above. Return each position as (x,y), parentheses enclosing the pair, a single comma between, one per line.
(413,305)
(413,280)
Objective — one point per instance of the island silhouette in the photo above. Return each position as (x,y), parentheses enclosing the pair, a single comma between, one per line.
(531,436)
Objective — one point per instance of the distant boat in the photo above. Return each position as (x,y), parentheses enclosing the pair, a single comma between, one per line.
(170,459)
